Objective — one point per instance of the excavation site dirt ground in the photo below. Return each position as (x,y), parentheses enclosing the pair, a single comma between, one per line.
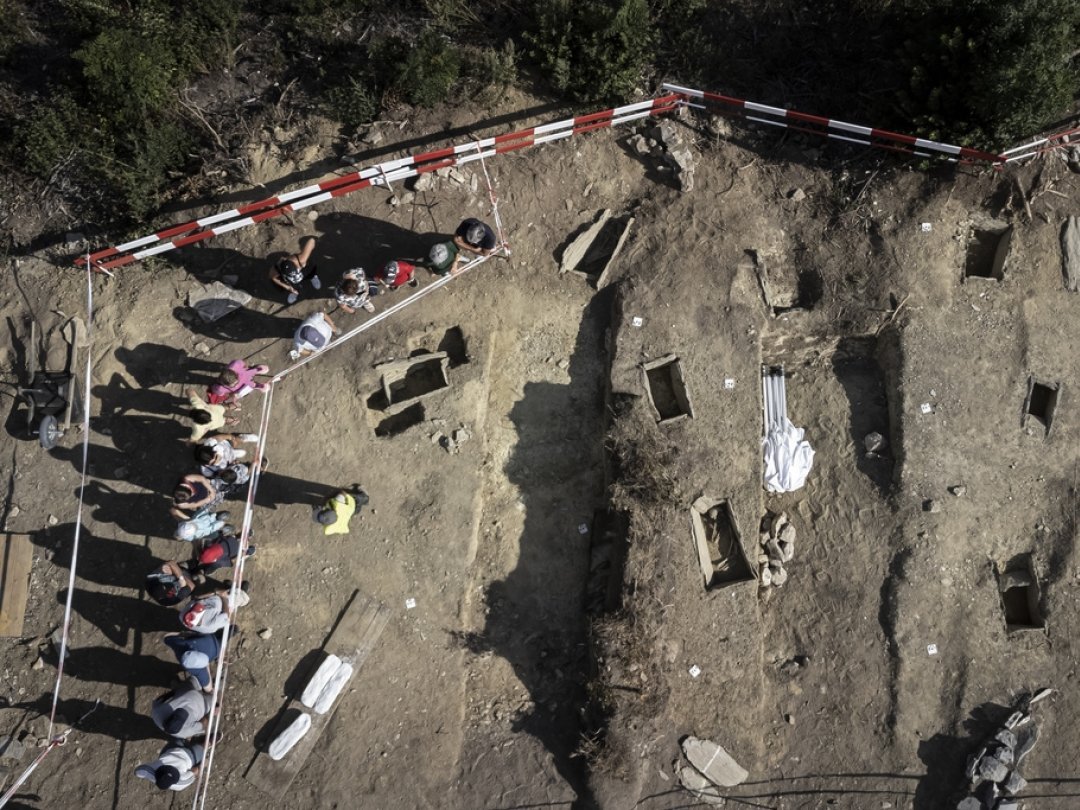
(865,681)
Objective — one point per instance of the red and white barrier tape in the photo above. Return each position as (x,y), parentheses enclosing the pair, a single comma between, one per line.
(379,175)
(1039,146)
(831,128)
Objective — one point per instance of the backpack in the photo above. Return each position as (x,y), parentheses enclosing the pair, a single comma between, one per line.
(211,554)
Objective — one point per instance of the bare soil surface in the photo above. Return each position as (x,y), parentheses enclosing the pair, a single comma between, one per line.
(486,694)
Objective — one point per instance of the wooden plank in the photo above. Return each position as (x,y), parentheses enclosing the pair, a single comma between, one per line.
(353,641)
(16,557)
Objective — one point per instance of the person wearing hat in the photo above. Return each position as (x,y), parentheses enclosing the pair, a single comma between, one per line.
(353,292)
(442,258)
(292,271)
(219,451)
(394,274)
(182,713)
(475,237)
(175,768)
(170,584)
(335,514)
(194,652)
(313,335)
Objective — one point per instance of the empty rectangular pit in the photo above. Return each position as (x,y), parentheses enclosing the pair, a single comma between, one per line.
(719,545)
(405,382)
(594,251)
(666,387)
(1041,403)
(1018,585)
(987,251)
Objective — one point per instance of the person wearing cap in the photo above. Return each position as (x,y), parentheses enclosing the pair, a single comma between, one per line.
(170,584)
(442,258)
(194,652)
(212,613)
(292,271)
(394,274)
(354,291)
(175,768)
(203,524)
(313,335)
(182,713)
(476,237)
(335,514)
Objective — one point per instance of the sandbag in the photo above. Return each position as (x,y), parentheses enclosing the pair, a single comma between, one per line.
(284,741)
(333,689)
(319,680)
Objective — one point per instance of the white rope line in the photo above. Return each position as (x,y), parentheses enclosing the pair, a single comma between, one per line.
(56,741)
(217,697)
(494,202)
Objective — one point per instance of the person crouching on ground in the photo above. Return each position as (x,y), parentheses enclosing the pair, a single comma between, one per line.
(353,292)
(442,258)
(218,452)
(313,335)
(292,271)
(213,612)
(335,514)
(195,494)
(474,236)
(175,768)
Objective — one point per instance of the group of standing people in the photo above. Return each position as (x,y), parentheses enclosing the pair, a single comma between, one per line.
(356,289)
(204,606)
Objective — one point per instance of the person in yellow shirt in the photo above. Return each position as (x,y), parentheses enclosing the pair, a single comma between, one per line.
(205,418)
(335,514)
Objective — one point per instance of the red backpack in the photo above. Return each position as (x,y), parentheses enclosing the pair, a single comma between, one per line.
(211,554)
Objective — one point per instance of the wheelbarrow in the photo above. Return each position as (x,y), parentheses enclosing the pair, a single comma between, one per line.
(52,397)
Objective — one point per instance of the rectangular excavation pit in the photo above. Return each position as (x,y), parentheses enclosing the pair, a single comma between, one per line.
(987,251)
(719,545)
(666,388)
(406,382)
(594,251)
(1018,586)
(1041,403)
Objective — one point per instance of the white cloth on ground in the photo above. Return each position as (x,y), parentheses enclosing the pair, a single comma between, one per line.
(788,457)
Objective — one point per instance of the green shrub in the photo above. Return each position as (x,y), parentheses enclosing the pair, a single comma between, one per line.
(490,68)
(351,103)
(592,49)
(987,72)
(421,72)
(49,134)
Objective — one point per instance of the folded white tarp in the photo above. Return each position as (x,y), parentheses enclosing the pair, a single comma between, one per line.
(788,456)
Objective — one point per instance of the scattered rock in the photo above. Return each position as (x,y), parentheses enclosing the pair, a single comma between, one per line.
(202,348)
(789,719)
(779,577)
(931,506)
(766,576)
(10,748)
(56,638)
(457,175)
(564,364)
(461,435)
(448,444)
(713,762)
(796,195)
(874,442)
(14,511)
(959,491)
(422,182)
(53,520)
(1070,253)
(444,171)
(73,240)
(719,126)
(39,664)
(787,534)
(639,144)
(265,633)
(993,769)
(1014,784)
(701,787)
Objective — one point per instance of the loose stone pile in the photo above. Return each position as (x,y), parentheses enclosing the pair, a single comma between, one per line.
(777,548)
